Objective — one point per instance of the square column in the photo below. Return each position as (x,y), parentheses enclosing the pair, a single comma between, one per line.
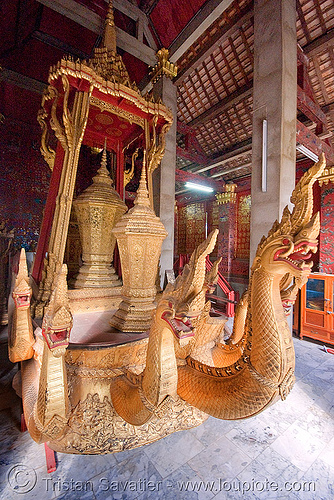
(274,100)
(164,176)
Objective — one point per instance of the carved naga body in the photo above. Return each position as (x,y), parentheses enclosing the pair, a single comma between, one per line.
(264,370)
(184,371)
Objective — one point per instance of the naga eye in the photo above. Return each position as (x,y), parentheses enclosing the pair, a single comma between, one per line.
(286,241)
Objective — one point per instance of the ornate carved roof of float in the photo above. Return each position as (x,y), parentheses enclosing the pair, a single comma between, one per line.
(106,62)
(106,72)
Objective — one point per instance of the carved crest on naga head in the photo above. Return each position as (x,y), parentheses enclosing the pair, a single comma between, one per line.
(184,300)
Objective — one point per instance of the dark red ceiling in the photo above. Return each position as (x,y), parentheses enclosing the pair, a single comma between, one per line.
(169,17)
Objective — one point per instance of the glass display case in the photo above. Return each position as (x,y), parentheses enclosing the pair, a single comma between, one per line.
(316,308)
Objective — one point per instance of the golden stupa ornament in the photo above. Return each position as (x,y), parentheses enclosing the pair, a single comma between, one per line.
(139,234)
(105,61)
(98,209)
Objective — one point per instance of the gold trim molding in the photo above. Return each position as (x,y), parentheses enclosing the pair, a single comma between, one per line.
(106,106)
(327,176)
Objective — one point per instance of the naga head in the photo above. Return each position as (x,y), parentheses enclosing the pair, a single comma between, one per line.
(22,291)
(290,244)
(184,300)
(58,320)
(177,318)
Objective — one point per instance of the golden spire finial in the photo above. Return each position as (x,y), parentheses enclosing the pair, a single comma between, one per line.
(102,176)
(142,193)
(109,35)
(104,158)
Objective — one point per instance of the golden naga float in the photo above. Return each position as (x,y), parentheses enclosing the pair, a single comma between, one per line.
(103,398)
(93,380)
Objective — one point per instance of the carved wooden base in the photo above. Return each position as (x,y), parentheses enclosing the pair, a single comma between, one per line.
(107,432)
(93,426)
(96,276)
(133,315)
(94,299)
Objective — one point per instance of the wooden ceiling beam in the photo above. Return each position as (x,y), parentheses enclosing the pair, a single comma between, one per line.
(92,21)
(190,155)
(201,21)
(148,6)
(184,176)
(319,44)
(217,39)
(192,143)
(303,21)
(310,108)
(307,138)
(22,81)
(234,152)
(231,170)
(59,44)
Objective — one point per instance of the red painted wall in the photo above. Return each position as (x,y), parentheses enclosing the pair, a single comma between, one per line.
(24,175)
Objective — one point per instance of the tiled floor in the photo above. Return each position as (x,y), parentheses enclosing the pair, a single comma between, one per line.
(280,454)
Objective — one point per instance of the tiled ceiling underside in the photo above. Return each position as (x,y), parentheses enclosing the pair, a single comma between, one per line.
(215,98)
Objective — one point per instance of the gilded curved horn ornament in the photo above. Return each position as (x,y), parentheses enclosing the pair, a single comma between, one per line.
(128,174)
(48,153)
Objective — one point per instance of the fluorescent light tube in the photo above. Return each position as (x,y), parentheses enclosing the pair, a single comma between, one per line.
(198,187)
(264,155)
(307,152)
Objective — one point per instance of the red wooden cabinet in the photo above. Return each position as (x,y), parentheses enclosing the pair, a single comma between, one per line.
(317,308)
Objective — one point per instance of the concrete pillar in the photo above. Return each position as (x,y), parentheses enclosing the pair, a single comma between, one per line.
(274,100)
(164,176)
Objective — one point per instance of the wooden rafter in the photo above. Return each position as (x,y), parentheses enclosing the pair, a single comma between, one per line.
(320,43)
(224,104)
(310,108)
(208,14)
(303,21)
(218,38)
(320,16)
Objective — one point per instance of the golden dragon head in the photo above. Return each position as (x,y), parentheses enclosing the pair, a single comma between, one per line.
(288,248)
(185,299)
